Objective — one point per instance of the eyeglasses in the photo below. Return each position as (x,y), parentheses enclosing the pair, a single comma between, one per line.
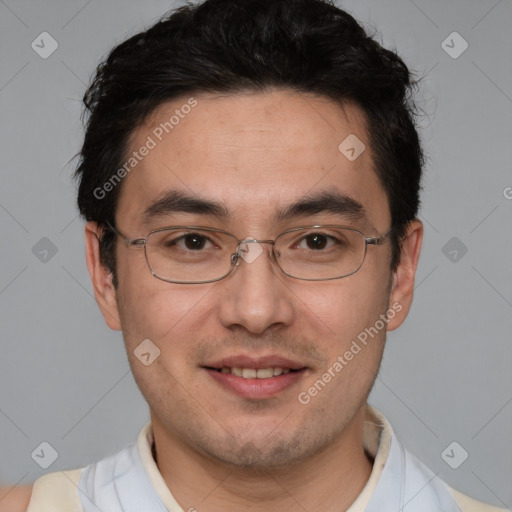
(195,254)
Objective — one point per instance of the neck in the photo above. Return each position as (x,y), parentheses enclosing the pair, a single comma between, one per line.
(330,480)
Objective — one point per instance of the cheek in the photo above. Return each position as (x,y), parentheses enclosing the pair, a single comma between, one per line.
(348,306)
(148,306)
(165,313)
(353,343)
(154,323)
(348,313)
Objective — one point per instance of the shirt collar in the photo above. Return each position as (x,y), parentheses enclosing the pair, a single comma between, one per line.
(377,435)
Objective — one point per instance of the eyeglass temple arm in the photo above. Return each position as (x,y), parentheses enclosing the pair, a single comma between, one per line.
(127,241)
(378,240)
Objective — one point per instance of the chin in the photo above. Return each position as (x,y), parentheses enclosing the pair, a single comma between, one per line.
(263,452)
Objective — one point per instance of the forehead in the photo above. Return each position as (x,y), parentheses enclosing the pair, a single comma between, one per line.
(253,153)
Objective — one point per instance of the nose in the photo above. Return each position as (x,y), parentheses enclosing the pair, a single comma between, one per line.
(255,295)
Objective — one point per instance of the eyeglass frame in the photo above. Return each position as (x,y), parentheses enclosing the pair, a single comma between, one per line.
(236,256)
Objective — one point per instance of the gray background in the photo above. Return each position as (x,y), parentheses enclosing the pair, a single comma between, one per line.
(446,373)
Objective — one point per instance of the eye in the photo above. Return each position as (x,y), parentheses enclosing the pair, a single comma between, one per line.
(315,242)
(189,242)
(194,241)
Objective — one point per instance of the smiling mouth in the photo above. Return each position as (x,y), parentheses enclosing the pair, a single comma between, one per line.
(256,373)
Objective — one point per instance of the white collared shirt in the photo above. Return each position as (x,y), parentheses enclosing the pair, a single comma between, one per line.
(130,481)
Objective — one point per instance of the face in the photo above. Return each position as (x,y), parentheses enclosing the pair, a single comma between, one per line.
(254,155)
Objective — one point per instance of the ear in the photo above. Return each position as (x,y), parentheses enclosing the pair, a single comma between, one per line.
(101,277)
(402,289)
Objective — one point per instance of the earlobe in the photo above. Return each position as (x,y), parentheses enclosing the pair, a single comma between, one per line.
(101,277)
(402,289)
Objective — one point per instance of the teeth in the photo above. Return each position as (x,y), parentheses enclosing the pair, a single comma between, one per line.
(236,371)
(249,373)
(264,373)
(252,373)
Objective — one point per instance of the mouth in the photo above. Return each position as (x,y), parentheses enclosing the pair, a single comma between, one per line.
(255,373)
(256,378)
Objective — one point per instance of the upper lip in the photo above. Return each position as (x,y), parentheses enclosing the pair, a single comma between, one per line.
(246,361)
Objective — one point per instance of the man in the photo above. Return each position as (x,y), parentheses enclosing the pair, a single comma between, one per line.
(250,177)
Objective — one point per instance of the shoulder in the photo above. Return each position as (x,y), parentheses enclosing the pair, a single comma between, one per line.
(65,490)
(394,459)
(14,498)
(468,504)
(55,492)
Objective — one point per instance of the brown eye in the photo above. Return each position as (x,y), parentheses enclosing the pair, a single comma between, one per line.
(316,241)
(194,241)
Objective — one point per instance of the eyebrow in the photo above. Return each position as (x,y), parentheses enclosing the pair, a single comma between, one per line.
(177,201)
(323,202)
(333,202)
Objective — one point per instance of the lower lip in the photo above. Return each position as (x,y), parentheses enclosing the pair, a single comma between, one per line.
(256,388)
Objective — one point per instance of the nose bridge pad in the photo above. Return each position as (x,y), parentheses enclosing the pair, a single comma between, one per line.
(235,258)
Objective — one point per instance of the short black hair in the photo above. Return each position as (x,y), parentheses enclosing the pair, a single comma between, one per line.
(231,46)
